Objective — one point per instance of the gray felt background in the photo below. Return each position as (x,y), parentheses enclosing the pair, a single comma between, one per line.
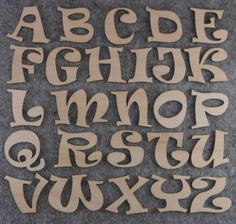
(39,89)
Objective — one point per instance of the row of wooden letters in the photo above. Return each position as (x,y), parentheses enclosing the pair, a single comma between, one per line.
(95,200)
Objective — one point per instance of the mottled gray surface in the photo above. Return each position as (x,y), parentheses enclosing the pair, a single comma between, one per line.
(39,94)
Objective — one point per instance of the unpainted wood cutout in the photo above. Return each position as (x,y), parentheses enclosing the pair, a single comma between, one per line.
(125,143)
